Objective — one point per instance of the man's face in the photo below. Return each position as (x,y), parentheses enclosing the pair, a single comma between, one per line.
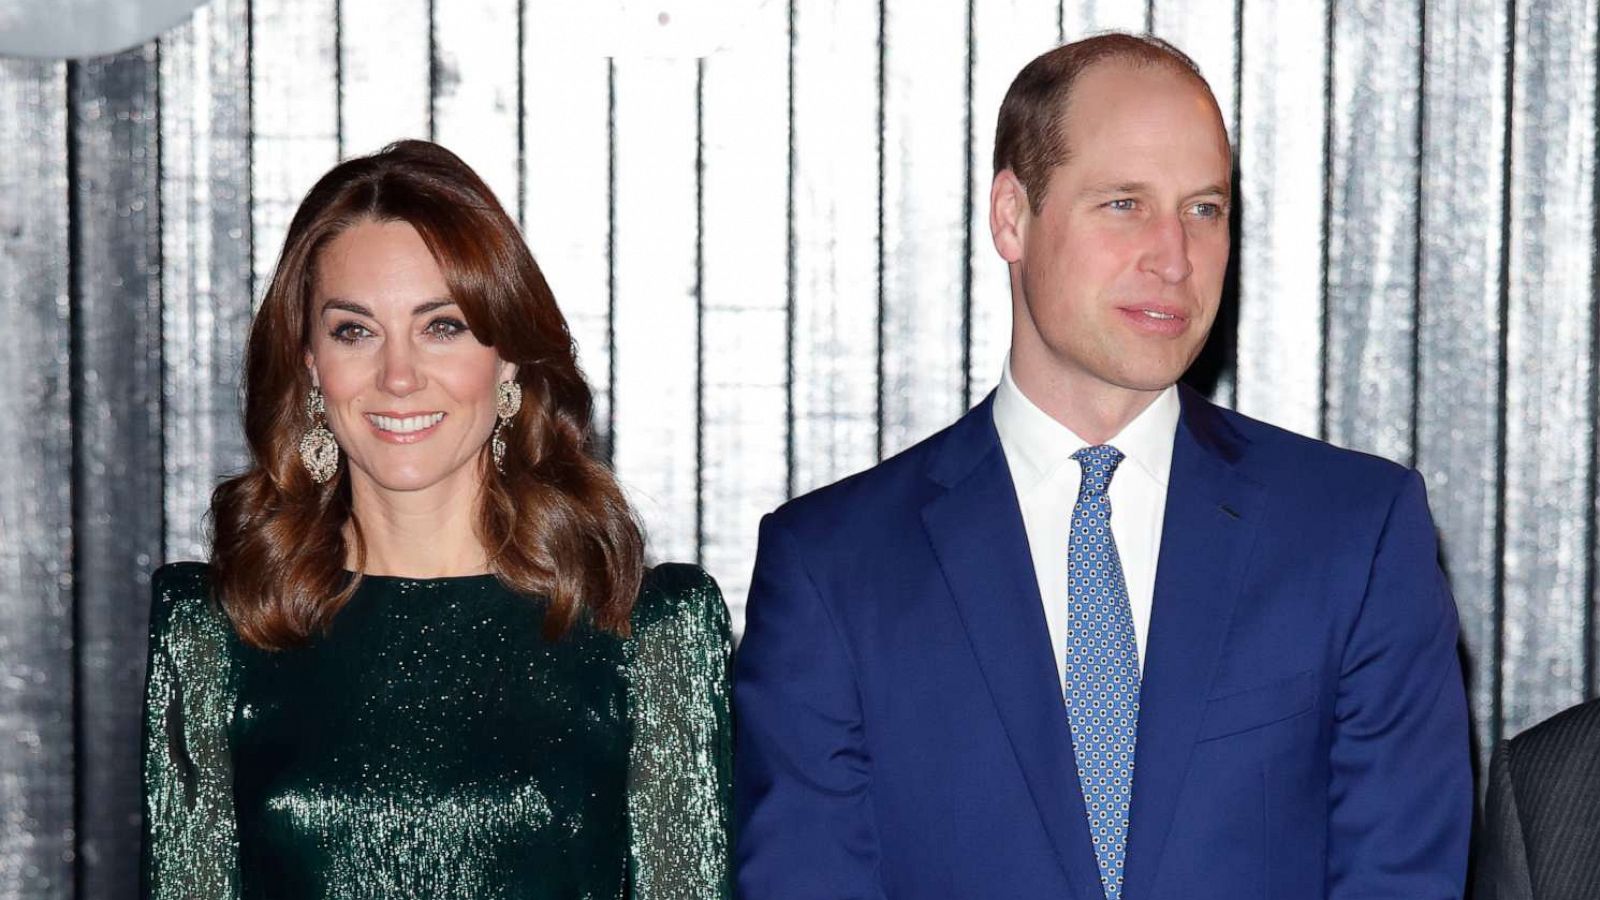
(1117,278)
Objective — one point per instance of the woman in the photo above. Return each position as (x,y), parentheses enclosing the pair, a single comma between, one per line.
(425,659)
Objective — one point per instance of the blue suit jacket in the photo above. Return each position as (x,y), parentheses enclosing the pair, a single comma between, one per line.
(1302,725)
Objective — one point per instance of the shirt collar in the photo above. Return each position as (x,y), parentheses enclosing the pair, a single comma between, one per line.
(1036,444)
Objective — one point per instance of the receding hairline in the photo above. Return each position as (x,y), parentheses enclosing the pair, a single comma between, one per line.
(1134,64)
(1031,136)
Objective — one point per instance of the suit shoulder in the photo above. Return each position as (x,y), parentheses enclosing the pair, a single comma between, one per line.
(880,486)
(679,593)
(1335,475)
(1572,735)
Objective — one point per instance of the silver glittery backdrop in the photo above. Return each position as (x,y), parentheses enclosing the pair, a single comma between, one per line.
(36,578)
(1549,414)
(777,266)
(834,215)
(1459,324)
(1282,133)
(924,217)
(206,278)
(117,388)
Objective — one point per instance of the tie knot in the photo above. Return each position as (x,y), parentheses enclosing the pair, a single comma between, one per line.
(1098,463)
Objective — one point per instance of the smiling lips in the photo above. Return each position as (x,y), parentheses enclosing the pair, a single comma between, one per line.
(1156,319)
(405,429)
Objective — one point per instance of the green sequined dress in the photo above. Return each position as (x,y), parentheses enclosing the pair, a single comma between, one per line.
(434,744)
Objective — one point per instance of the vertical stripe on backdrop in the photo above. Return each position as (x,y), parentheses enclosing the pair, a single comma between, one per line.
(476,110)
(1549,344)
(1280,199)
(1459,386)
(206,250)
(925,226)
(37,740)
(1006,35)
(836,314)
(566,184)
(657,302)
(744,275)
(1372,229)
(117,519)
(294,114)
(384,48)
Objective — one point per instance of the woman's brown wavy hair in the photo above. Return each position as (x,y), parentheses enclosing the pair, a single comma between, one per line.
(554,523)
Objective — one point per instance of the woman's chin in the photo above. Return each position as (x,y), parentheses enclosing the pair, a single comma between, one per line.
(412,478)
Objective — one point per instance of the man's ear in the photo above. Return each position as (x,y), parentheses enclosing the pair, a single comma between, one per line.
(1008,215)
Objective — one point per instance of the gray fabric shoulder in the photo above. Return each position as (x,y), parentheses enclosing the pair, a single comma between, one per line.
(1567,728)
(1502,852)
(1570,736)
(1554,771)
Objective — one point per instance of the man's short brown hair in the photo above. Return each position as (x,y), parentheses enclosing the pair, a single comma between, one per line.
(1029,138)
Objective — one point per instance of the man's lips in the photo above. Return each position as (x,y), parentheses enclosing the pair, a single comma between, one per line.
(1159,319)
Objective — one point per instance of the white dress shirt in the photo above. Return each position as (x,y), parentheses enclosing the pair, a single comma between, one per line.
(1039,452)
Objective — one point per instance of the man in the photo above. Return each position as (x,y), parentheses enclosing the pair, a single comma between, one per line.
(958,681)
(1542,834)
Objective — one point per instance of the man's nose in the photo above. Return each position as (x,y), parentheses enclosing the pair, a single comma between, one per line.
(1167,254)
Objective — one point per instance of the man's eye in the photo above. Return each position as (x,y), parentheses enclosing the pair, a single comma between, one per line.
(1208,210)
(1124,204)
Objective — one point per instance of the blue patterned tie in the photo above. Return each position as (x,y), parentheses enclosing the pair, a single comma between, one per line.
(1102,673)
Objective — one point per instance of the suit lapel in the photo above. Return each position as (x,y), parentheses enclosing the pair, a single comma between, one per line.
(977,534)
(1210,526)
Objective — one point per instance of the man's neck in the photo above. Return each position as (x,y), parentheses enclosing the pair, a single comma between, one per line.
(1090,408)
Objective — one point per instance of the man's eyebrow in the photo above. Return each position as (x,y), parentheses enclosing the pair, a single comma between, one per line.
(1121,187)
(1140,187)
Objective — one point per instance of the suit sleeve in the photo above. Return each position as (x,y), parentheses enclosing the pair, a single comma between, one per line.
(802,774)
(1502,855)
(1400,789)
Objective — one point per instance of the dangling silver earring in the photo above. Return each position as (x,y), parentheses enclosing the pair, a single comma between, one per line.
(318,450)
(507,402)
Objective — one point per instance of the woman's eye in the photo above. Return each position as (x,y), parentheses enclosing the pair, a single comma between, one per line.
(446,328)
(348,332)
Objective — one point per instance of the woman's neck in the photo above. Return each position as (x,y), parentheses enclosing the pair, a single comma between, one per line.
(430,533)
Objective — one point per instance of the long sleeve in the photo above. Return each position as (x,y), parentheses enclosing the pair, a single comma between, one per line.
(680,764)
(190,848)
(805,819)
(1400,790)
